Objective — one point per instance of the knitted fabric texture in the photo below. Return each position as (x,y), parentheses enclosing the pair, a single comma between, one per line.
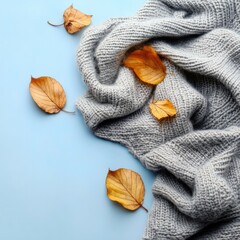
(196,154)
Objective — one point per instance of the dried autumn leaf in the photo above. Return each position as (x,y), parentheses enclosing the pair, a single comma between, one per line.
(126,187)
(48,94)
(147,65)
(162,109)
(74,20)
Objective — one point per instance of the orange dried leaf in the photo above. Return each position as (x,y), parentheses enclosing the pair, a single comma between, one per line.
(125,187)
(147,65)
(74,20)
(162,109)
(48,94)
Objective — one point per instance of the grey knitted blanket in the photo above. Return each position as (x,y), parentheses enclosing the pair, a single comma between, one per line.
(196,154)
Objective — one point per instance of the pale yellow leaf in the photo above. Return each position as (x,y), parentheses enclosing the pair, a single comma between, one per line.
(162,109)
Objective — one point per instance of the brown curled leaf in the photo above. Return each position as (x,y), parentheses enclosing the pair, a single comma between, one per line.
(147,65)
(74,20)
(126,187)
(162,109)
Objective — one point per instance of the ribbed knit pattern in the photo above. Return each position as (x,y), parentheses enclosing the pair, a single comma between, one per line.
(195,154)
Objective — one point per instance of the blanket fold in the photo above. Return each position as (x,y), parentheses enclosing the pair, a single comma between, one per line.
(196,154)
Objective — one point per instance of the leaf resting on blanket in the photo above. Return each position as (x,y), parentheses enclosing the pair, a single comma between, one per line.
(162,109)
(48,94)
(126,187)
(147,65)
(74,20)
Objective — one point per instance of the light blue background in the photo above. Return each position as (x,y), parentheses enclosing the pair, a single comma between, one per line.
(52,168)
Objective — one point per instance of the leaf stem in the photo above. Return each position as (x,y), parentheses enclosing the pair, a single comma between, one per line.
(68,111)
(153,95)
(144,208)
(55,25)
